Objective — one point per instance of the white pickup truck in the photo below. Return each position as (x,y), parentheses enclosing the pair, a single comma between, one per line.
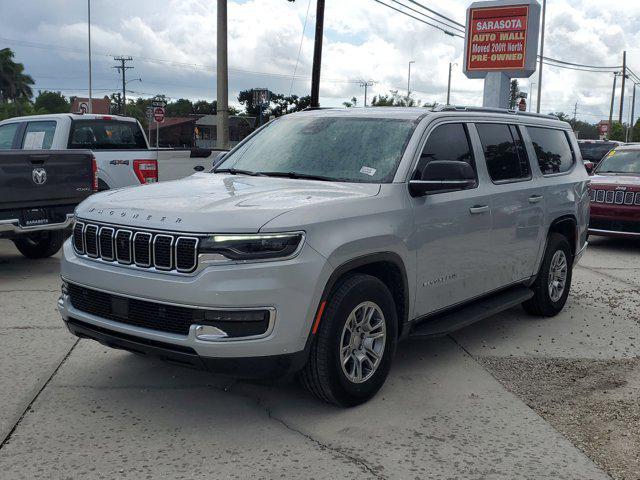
(119,145)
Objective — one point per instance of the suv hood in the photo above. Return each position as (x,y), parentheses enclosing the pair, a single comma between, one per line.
(211,203)
(615,180)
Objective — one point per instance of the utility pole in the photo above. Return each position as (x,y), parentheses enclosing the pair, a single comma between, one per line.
(222,116)
(624,79)
(633,111)
(317,55)
(122,68)
(575,114)
(613,98)
(409,81)
(531,84)
(544,15)
(449,83)
(366,84)
(89,31)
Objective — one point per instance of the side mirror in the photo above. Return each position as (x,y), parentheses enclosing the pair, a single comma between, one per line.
(441,176)
(589,167)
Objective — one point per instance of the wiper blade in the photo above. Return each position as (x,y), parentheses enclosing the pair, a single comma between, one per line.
(304,176)
(236,171)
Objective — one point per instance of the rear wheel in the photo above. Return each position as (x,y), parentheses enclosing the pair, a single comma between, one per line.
(352,350)
(553,282)
(40,244)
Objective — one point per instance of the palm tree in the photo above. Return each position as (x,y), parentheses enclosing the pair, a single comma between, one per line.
(14,83)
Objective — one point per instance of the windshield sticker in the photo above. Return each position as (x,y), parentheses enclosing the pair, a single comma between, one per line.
(368,171)
(612,153)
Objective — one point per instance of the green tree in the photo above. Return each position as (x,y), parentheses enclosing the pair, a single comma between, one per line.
(51,102)
(202,107)
(618,131)
(394,100)
(180,108)
(352,103)
(279,105)
(15,85)
(514,94)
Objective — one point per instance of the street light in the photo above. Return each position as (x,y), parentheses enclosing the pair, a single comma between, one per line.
(89,32)
(409,80)
(451,65)
(531,85)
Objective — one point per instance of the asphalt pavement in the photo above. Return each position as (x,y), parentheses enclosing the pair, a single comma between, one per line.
(75,409)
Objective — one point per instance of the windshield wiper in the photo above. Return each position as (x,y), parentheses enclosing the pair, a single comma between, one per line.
(235,171)
(304,176)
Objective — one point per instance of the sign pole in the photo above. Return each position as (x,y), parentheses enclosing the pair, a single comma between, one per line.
(496,90)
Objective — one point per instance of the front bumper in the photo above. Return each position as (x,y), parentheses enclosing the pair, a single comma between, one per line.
(292,289)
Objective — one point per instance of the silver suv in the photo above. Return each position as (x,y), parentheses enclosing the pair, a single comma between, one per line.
(326,237)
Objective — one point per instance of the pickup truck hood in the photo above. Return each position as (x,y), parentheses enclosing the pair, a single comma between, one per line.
(207,202)
(616,180)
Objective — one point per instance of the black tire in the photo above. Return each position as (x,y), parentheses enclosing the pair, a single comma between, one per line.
(541,304)
(40,244)
(323,374)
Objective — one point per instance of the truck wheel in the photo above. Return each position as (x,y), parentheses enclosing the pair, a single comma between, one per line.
(353,347)
(40,244)
(553,282)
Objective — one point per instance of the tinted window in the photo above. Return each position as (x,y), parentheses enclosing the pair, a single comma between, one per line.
(552,150)
(106,135)
(504,152)
(350,149)
(446,142)
(7,133)
(594,152)
(39,135)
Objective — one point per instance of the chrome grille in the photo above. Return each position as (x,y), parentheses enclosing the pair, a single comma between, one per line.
(78,238)
(617,197)
(106,243)
(91,240)
(144,249)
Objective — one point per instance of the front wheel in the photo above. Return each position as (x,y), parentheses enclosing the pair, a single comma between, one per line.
(40,244)
(353,347)
(553,282)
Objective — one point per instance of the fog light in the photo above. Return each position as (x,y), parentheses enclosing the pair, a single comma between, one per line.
(64,288)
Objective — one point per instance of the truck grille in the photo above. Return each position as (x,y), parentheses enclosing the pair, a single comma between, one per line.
(618,197)
(164,251)
(164,317)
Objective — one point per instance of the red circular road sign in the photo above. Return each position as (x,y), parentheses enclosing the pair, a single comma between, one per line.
(158,114)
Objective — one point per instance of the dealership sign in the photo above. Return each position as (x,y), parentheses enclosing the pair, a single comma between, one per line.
(502,36)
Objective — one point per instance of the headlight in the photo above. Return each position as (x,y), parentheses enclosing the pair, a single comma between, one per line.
(252,247)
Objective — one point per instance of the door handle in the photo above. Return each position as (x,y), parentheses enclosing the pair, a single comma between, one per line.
(535,198)
(198,168)
(476,209)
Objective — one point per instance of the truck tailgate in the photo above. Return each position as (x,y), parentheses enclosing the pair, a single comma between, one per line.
(38,178)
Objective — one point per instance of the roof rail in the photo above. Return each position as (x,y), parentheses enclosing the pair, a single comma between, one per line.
(509,111)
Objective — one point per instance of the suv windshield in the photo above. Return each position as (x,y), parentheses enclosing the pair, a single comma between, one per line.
(330,148)
(106,135)
(594,152)
(621,161)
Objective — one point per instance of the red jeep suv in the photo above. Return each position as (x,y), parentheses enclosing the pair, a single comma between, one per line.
(615,194)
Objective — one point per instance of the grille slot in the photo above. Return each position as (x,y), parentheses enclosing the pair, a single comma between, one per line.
(610,196)
(91,240)
(166,318)
(163,252)
(106,243)
(78,239)
(186,254)
(628,198)
(619,197)
(123,246)
(637,202)
(142,249)
(600,196)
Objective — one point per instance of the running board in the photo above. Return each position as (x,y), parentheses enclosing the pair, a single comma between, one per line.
(474,312)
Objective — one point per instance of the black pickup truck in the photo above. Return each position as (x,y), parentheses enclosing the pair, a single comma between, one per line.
(39,190)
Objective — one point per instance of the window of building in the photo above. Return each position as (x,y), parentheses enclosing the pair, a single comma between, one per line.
(552,149)
(504,152)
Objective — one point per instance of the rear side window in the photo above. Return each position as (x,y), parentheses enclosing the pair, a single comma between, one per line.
(39,135)
(594,152)
(504,152)
(446,142)
(552,149)
(7,134)
(106,135)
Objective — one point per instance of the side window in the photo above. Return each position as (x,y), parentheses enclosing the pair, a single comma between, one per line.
(446,142)
(552,149)
(504,152)
(39,135)
(7,133)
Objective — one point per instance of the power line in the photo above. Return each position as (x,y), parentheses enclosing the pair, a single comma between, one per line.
(448,32)
(437,13)
(428,16)
(304,27)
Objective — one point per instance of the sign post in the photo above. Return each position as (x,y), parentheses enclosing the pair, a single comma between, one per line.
(501,43)
(158,106)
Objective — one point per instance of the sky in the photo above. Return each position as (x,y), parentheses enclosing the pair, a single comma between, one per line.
(173,46)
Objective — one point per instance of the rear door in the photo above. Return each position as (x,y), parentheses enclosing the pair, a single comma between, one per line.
(517,203)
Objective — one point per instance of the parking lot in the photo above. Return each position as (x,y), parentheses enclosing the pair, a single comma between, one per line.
(511,397)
